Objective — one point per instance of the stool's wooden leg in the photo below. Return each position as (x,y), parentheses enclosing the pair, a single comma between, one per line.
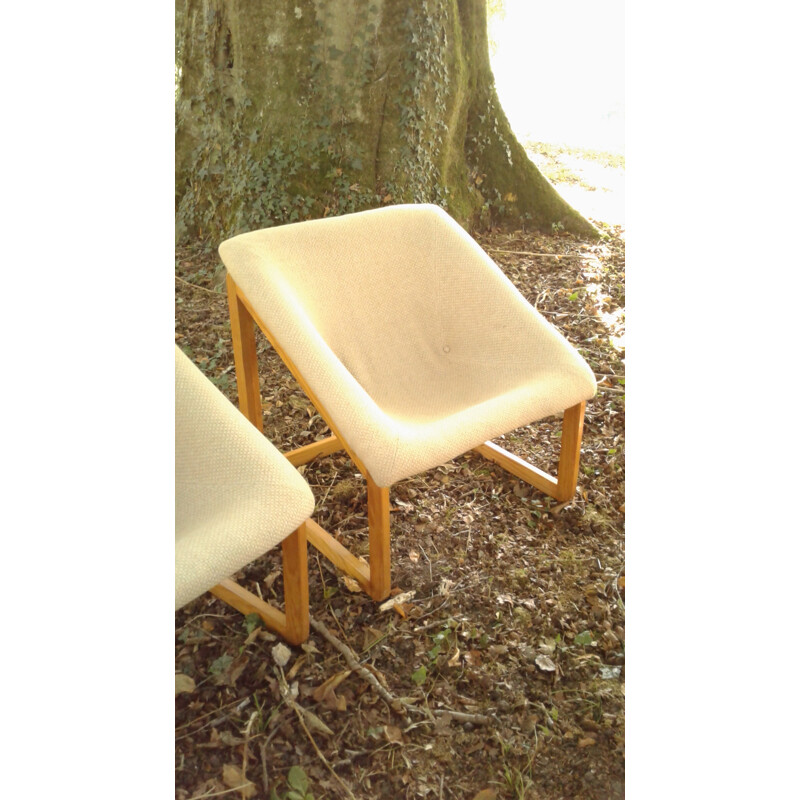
(243,334)
(568,462)
(295,585)
(293,625)
(380,570)
(563,486)
(375,579)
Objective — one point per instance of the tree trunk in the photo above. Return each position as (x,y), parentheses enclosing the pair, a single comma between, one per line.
(297,110)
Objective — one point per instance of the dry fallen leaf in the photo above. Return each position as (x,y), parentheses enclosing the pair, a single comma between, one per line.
(237,668)
(233,778)
(442,725)
(377,673)
(309,648)
(227,738)
(371,635)
(587,742)
(183,683)
(505,598)
(393,734)
(351,584)
(545,663)
(335,702)
(298,403)
(397,600)
(254,634)
(271,578)
(486,794)
(329,685)
(473,658)
(295,667)
(314,722)
(281,653)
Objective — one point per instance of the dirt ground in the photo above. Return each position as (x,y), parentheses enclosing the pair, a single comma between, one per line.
(504,675)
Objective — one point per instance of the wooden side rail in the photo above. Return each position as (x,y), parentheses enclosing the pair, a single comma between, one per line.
(519,467)
(292,624)
(338,554)
(561,488)
(375,579)
(308,452)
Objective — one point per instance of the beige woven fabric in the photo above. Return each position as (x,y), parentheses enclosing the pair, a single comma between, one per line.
(236,496)
(416,344)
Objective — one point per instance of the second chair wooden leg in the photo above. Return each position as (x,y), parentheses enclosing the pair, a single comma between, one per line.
(563,486)
(292,624)
(243,335)
(295,585)
(380,557)
(569,460)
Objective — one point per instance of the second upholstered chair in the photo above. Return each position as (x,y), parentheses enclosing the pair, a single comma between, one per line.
(236,497)
(413,346)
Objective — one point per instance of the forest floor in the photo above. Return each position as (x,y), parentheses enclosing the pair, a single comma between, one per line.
(507,667)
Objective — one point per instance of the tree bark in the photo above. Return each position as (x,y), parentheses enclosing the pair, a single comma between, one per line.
(308,108)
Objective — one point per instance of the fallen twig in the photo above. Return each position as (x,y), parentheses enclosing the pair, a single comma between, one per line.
(246,748)
(539,255)
(395,703)
(345,762)
(213,722)
(201,288)
(264,774)
(219,794)
(436,622)
(352,662)
(462,716)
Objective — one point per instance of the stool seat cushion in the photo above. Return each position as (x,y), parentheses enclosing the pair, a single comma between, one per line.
(236,496)
(414,341)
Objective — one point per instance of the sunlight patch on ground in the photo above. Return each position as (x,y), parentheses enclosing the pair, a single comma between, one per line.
(604,306)
(595,189)
(606,203)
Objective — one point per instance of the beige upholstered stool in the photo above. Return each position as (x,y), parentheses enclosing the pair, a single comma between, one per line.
(236,497)
(413,346)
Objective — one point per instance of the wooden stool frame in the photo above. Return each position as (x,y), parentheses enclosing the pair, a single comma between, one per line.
(375,579)
(292,624)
